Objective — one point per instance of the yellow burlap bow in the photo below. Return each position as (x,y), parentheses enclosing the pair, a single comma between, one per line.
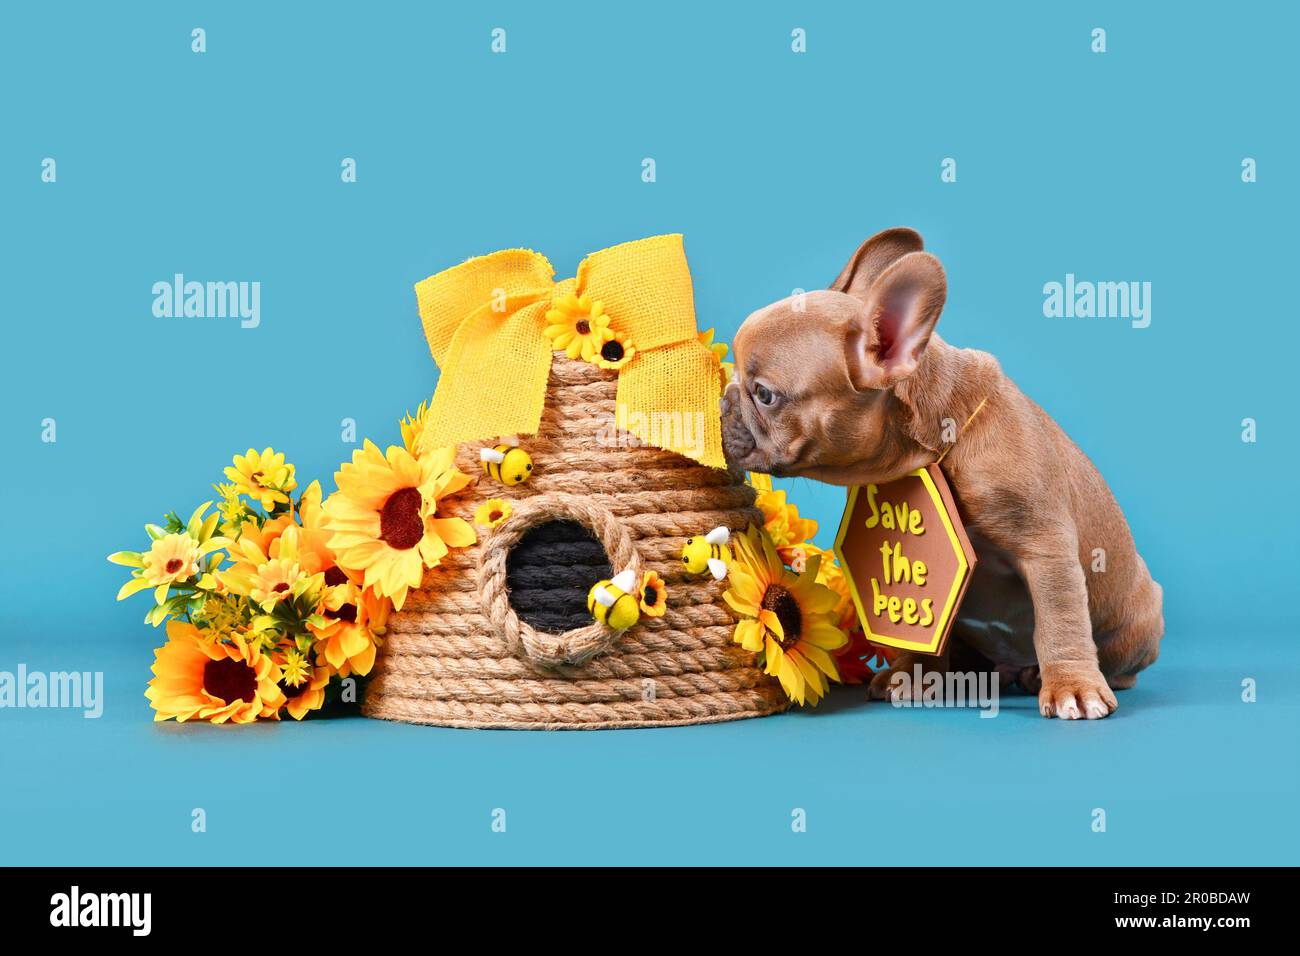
(485,322)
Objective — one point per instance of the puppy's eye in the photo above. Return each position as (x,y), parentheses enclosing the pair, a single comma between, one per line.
(764,396)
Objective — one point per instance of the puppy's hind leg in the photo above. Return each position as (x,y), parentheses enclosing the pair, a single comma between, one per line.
(1134,646)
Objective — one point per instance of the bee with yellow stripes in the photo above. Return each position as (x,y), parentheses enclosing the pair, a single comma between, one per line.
(507,462)
(614,603)
(708,553)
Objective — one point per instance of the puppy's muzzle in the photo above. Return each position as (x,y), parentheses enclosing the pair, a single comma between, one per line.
(737,440)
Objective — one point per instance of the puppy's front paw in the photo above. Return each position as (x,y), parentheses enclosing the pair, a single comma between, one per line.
(885,686)
(1072,691)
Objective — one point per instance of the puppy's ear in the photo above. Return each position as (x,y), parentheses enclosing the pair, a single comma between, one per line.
(884,345)
(875,256)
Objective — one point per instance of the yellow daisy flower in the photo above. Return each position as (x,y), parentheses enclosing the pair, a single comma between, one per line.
(413,428)
(615,352)
(577,325)
(384,519)
(786,617)
(172,558)
(199,679)
(274,581)
(654,595)
(492,512)
(263,476)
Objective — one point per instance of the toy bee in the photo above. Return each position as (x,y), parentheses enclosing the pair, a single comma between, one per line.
(614,603)
(708,553)
(507,462)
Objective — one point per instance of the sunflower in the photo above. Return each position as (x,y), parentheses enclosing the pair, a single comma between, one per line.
(172,558)
(263,476)
(786,617)
(355,620)
(614,353)
(577,325)
(654,595)
(384,518)
(413,428)
(830,574)
(491,513)
(303,686)
(214,680)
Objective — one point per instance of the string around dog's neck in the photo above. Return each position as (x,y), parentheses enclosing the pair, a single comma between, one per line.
(952,444)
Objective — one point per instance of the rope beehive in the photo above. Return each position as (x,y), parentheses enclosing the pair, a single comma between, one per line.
(461,653)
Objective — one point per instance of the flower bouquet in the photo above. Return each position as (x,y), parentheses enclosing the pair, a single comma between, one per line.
(272,602)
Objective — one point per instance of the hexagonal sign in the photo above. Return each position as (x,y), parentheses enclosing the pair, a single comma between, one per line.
(907,559)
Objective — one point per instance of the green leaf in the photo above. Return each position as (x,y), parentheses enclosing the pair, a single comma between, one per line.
(131,559)
(154,531)
(209,526)
(132,586)
(196,520)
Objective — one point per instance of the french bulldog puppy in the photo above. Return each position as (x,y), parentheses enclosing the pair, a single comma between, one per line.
(851,385)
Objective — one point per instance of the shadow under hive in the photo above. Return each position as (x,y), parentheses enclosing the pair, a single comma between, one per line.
(499,634)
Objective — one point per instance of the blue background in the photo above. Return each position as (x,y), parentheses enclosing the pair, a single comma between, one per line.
(1122,166)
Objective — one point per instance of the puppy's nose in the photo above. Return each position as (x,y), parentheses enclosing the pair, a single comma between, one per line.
(729,399)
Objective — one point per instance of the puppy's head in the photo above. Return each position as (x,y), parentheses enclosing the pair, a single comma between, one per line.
(814,391)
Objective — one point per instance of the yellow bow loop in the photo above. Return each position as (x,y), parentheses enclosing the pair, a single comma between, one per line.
(485,321)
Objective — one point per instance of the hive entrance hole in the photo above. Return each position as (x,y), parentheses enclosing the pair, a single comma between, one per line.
(549,572)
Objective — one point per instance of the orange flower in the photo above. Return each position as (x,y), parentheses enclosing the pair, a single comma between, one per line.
(214,680)
(783,523)
(356,620)
(314,553)
(654,595)
(307,695)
